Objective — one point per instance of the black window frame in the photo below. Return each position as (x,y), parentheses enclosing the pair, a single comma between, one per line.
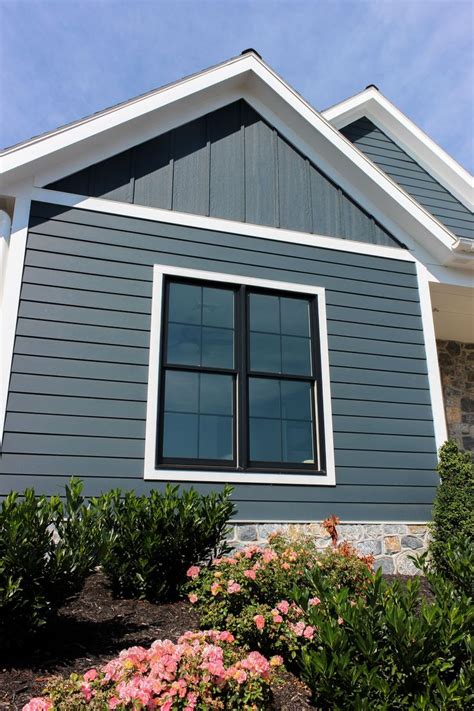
(241,374)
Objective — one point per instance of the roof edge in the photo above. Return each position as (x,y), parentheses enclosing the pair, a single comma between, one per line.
(121,104)
(376,107)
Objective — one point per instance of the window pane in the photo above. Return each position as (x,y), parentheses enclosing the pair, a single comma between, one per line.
(280,420)
(296,355)
(180,436)
(217,348)
(265,353)
(184,344)
(181,391)
(218,307)
(185,303)
(264,313)
(216,394)
(297,442)
(264,397)
(296,398)
(294,317)
(265,440)
(215,437)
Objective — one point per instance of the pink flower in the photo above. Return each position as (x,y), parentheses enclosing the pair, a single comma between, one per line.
(277,618)
(86,691)
(259,621)
(114,702)
(284,606)
(38,704)
(269,555)
(215,588)
(250,574)
(193,598)
(308,632)
(193,571)
(90,675)
(233,587)
(226,637)
(313,601)
(276,661)
(298,628)
(191,701)
(285,566)
(240,676)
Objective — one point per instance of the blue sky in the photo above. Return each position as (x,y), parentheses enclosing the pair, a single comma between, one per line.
(63,60)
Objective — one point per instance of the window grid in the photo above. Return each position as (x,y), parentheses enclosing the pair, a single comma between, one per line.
(241,374)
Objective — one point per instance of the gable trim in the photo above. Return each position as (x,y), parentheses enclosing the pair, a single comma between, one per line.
(254,81)
(373,105)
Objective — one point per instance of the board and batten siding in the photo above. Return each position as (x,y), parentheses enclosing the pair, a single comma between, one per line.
(414,179)
(77,396)
(230,164)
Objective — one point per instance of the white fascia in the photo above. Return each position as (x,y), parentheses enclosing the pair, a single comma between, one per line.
(73,147)
(376,107)
(39,155)
(150,470)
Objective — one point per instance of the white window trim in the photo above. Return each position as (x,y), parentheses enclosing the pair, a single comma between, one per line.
(150,471)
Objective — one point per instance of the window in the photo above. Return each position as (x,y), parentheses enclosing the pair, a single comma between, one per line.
(242,385)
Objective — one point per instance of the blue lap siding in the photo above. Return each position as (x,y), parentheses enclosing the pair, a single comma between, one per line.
(77,397)
(411,176)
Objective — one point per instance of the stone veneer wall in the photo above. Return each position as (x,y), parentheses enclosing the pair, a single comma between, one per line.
(456,363)
(390,543)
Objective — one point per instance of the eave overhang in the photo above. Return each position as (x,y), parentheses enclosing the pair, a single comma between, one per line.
(72,147)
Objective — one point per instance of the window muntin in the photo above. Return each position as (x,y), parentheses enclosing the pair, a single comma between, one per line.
(238,380)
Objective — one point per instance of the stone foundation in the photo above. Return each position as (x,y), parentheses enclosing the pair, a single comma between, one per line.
(390,543)
(456,363)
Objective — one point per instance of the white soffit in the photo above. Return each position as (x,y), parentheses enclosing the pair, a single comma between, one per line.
(377,108)
(453,312)
(77,145)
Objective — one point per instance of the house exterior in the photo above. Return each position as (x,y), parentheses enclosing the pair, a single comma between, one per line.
(215,283)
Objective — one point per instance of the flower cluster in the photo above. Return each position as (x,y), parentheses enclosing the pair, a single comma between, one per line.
(203,670)
(247,592)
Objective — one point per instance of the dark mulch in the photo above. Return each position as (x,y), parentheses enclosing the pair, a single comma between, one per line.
(92,629)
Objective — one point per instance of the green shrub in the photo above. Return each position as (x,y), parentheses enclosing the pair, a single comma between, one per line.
(247,592)
(150,541)
(47,548)
(389,648)
(453,510)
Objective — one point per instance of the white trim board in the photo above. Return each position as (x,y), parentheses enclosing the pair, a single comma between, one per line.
(186,219)
(150,472)
(10,293)
(434,376)
(250,78)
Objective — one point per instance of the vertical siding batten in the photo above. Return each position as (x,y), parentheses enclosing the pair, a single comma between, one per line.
(205,175)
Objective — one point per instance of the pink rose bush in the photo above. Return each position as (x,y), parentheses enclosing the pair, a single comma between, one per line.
(203,670)
(250,592)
